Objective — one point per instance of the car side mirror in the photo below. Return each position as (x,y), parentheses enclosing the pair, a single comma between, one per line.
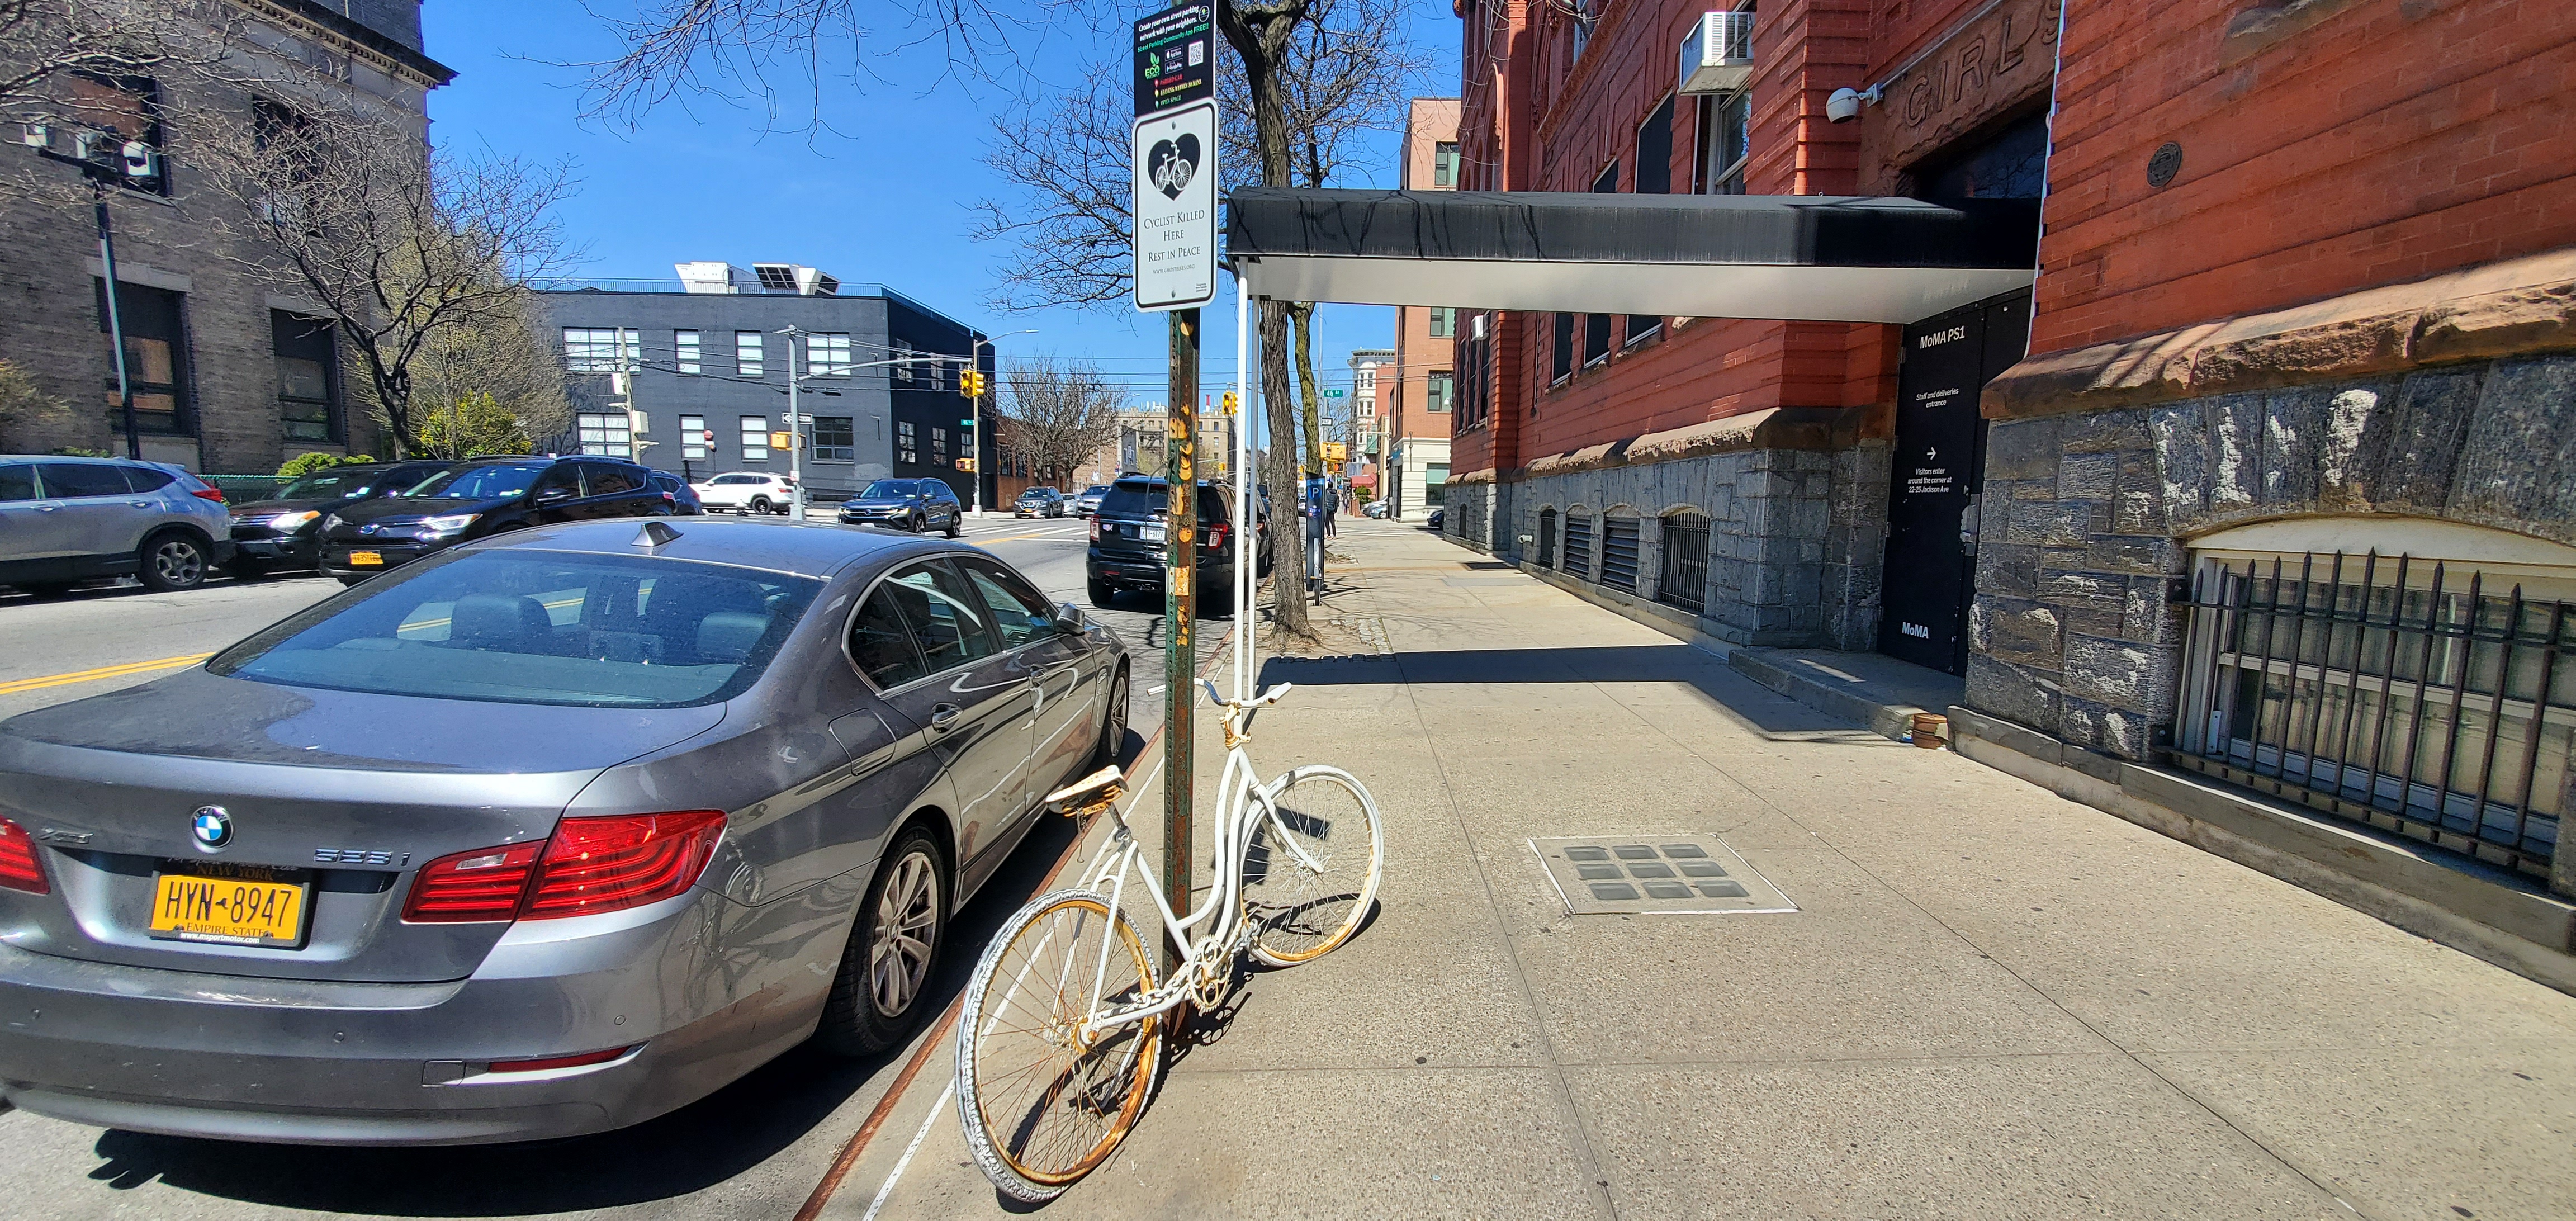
(554,495)
(1068,618)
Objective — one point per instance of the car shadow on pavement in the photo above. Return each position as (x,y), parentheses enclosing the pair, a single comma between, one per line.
(1761,709)
(697,1148)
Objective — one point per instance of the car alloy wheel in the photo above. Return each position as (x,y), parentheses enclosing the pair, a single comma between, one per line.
(759,504)
(876,995)
(907,920)
(173,561)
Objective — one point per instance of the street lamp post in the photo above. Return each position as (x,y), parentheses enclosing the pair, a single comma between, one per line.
(975,424)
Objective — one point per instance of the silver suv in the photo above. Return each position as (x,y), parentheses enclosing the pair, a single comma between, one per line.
(67,520)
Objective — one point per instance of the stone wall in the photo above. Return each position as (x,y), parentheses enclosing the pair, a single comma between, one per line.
(1796,537)
(2087,517)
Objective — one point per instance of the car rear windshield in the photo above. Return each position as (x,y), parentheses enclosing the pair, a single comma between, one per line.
(1137,498)
(481,482)
(538,627)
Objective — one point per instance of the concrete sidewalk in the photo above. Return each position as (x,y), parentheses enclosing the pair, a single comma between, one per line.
(1991,1001)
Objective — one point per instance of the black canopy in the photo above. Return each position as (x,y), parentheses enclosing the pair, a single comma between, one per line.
(1811,257)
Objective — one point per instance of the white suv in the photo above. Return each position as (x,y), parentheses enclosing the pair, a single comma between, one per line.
(748,492)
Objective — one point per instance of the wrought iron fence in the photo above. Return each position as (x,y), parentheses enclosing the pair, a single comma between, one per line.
(1683,580)
(1578,545)
(2395,692)
(1619,553)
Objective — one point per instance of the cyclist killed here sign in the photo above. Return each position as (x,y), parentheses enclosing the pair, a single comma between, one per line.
(1175,207)
(1175,57)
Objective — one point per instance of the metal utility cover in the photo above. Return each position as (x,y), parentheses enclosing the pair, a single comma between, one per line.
(1655,875)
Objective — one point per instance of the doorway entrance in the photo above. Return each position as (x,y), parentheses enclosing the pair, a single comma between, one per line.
(1938,473)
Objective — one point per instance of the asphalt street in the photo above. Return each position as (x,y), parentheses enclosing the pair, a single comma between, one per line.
(753,1150)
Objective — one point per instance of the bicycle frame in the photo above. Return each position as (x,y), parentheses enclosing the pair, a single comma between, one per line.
(1242,801)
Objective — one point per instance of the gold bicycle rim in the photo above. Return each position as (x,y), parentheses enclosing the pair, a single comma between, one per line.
(1149,1042)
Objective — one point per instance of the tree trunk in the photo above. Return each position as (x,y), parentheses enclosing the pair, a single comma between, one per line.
(1259,33)
(1301,315)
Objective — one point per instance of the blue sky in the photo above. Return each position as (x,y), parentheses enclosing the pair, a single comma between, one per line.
(883,197)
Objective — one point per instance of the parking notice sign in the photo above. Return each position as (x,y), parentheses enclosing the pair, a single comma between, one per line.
(1175,207)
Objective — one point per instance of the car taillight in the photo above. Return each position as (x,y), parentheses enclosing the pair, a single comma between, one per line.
(1216,536)
(1095,529)
(482,885)
(20,868)
(214,494)
(589,865)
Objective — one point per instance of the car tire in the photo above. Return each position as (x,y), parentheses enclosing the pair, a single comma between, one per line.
(956,526)
(1102,592)
(914,523)
(759,504)
(1113,723)
(855,1018)
(172,560)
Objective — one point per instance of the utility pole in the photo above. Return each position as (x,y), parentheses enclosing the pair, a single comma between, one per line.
(116,323)
(795,433)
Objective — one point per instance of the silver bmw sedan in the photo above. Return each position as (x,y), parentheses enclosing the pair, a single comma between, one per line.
(545,836)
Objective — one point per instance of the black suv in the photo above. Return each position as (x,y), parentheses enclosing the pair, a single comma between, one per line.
(482,497)
(285,530)
(918,505)
(1128,542)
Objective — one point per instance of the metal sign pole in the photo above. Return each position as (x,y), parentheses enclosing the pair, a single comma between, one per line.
(1247,510)
(116,327)
(1180,590)
(795,434)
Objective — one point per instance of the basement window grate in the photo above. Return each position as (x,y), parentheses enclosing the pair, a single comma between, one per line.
(1578,545)
(1619,553)
(1683,581)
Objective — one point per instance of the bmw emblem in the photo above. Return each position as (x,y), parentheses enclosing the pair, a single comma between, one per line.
(212,827)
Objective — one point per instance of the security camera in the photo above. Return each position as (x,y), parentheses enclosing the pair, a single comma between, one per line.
(1843,106)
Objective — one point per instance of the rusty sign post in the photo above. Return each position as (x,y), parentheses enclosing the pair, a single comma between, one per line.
(1174,146)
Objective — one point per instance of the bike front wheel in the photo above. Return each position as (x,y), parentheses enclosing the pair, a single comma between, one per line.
(1041,1105)
(1301,903)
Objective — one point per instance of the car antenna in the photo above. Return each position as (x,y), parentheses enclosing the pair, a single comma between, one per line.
(654,534)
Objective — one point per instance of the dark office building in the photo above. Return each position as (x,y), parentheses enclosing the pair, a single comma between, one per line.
(707,361)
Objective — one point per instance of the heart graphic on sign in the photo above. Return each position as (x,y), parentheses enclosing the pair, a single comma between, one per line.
(1171,164)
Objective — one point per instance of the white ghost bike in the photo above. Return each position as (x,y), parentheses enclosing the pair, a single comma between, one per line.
(1062,1034)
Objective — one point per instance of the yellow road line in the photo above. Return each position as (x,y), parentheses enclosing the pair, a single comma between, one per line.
(103,672)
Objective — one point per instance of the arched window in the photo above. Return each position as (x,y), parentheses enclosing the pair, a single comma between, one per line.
(1683,578)
(1547,537)
(2406,673)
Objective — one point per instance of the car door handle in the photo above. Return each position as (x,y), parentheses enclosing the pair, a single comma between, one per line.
(944,717)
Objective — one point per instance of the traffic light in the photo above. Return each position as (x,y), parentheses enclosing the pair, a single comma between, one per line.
(782,440)
(967,465)
(1227,401)
(971,383)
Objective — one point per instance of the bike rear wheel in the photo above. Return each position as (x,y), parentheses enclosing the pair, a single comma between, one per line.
(1299,913)
(1039,1110)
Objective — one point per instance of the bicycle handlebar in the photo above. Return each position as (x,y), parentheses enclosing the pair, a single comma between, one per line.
(1265,698)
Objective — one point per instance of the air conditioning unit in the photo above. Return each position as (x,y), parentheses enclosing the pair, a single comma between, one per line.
(1717,54)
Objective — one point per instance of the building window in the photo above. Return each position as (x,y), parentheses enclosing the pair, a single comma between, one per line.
(907,447)
(1444,164)
(1585,14)
(127,107)
(746,353)
(684,349)
(1547,537)
(1444,321)
(2012,165)
(308,377)
(755,436)
(1440,389)
(1619,553)
(827,355)
(1435,484)
(906,355)
(2425,697)
(835,439)
(693,437)
(598,349)
(1655,151)
(606,433)
(1561,365)
(938,446)
(1578,543)
(1725,144)
(1596,327)
(1683,579)
(156,357)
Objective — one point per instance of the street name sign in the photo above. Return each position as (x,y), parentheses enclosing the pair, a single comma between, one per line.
(1175,208)
(1176,57)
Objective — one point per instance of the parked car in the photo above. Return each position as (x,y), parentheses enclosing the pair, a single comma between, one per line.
(1437,517)
(1128,537)
(68,520)
(682,498)
(544,835)
(285,531)
(918,505)
(1087,502)
(1039,502)
(1374,508)
(748,492)
(476,499)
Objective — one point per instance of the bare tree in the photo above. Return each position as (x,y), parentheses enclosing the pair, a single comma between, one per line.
(404,249)
(25,408)
(69,64)
(498,366)
(1061,413)
(1067,230)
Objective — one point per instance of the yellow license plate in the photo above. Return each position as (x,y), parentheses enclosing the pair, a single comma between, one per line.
(366,557)
(228,910)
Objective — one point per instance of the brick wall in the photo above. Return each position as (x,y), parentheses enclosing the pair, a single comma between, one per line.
(2370,142)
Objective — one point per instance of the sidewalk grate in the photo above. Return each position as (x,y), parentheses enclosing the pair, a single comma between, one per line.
(1667,875)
